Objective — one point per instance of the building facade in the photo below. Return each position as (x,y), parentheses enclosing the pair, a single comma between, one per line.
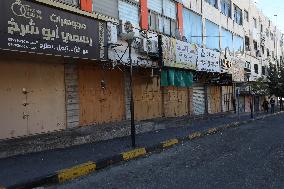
(66,63)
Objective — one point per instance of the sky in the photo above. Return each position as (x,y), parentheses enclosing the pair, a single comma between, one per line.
(272,7)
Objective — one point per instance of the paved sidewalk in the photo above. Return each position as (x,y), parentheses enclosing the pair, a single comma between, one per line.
(23,168)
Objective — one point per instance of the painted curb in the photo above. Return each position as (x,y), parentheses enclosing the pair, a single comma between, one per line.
(80,170)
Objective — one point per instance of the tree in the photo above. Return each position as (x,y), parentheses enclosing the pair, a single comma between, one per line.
(276,80)
(260,86)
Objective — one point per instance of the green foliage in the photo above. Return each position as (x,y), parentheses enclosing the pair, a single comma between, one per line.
(276,80)
(260,86)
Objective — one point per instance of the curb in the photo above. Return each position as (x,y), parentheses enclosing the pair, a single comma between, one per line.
(80,170)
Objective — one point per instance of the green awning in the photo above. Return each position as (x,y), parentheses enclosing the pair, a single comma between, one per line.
(177,78)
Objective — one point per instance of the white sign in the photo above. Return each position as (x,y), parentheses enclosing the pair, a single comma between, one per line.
(208,60)
(186,55)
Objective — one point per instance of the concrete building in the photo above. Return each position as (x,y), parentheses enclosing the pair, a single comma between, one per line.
(65,63)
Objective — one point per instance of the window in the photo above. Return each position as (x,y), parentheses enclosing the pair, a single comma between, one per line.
(271,35)
(255,68)
(268,54)
(263,70)
(214,3)
(238,44)
(254,22)
(212,35)
(238,15)
(162,16)
(261,28)
(246,15)
(192,26)
(267,32)
(70,2)
(247,43)
(226,7)
(128,12)
(262,49)
(255,45)
(227,40)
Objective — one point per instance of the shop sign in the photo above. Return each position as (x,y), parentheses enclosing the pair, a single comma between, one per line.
(179,54)
(32,27)
(208,60)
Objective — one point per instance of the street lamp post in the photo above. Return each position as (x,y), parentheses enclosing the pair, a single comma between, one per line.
(133,130)
(129,38)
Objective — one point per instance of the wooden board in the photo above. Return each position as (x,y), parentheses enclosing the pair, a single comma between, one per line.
(214,99)
(45,100)
(98,105)
(176,101)
(147,96)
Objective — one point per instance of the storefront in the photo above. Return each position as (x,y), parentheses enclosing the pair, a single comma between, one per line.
(36,43)
(179,60)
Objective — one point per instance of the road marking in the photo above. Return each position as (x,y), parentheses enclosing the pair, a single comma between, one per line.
(169,143)
(133,153)
(75,172)
(194,135)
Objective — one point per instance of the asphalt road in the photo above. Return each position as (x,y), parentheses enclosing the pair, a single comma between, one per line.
(251,156)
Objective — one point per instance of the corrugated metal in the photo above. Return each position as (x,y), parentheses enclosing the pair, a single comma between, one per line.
(147,96)
(70,2)
(106,7)
(156,5)
(101,104)
(176,101)
(227,98)
(128,12)
(42,108)
(198,100)
(167,26)
(169,9)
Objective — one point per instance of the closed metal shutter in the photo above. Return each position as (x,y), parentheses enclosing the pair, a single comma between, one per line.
(167,26)
(128,12)
(156,5)
(70,2)
(169,8)
(198,100)
(106,7)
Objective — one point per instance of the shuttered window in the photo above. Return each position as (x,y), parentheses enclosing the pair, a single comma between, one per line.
(128,12)
(162,16)
(70,2)
(156,5)
(106,7)
(169,9)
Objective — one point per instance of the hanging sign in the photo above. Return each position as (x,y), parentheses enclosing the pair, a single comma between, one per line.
(32,27)
(208,60)
(179,54)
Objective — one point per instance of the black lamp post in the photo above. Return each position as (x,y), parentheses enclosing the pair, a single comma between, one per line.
(133,130)
(129,38)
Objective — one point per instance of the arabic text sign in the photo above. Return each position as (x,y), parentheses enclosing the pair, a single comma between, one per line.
(208,60)
(27,26)
(178,54)
(186,55)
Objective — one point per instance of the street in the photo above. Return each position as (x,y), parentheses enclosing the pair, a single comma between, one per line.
(251,156)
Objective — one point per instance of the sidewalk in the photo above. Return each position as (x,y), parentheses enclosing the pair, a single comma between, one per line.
(24,168)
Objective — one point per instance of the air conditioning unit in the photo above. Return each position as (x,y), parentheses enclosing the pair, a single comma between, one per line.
(126,30)
(149,47)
